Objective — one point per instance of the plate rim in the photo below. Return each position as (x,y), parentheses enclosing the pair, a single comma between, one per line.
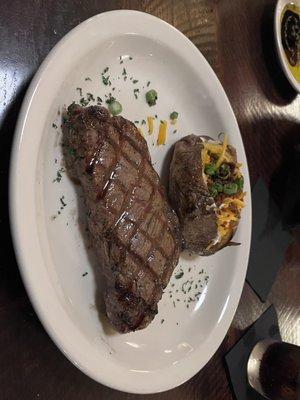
(179,378)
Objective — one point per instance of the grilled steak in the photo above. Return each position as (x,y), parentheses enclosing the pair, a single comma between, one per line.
(134,231)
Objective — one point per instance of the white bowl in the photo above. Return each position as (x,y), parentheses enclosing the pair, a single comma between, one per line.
(280,50)
(51,252)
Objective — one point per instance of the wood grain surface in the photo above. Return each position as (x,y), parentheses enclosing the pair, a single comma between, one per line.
(236,37)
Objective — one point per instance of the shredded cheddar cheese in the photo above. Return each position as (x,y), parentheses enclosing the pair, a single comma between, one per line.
(205,156)
(224,147)
(216,149)
(226,216)
(162,134)
(239,203)
(141,132)
(228,213)
(213,148)
(150,124)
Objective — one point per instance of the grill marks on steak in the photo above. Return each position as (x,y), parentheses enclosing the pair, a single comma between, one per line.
(134,230)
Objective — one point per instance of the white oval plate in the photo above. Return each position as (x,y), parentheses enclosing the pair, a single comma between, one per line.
(51,252)
(280,50)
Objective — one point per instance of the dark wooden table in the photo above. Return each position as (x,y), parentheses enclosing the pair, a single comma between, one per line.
(236,38)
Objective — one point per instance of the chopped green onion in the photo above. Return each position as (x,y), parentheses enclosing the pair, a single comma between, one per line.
(230,188)
(224,171)
(151,97)
(210,169)
(213,191)
(174,115)
(240,183)
(105,80)
(218,186)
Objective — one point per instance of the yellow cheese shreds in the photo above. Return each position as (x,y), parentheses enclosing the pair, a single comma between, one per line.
(224,147)
(150,124)
(227,216)
(162,134)
(222,231)
(205,156)
(239,203)
(240,195)
(236,174)
(141,132)
(214,148)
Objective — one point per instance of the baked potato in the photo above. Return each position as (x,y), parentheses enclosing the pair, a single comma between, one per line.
(206,191)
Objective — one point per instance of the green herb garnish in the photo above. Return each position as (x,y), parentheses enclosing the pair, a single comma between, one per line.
(80,91)
(174,115)
(218,186)
(62,201)
(135,81)
(58,175)
(213,191)
(84,102)
(240,183)
(179,274)
(87,78)
(54,126)
(230,188)
(148,83)
(110,99)
(151,97)
(105,80)
(210,169)
(224,171)
(90,97)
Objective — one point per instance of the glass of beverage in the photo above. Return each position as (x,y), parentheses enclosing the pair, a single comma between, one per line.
(274,370)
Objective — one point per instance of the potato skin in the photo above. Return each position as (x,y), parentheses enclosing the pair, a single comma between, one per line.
(191,199)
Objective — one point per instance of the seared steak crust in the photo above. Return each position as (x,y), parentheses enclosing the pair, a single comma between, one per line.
(134,231)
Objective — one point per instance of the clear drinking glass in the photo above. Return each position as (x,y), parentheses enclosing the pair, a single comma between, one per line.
(274,370)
